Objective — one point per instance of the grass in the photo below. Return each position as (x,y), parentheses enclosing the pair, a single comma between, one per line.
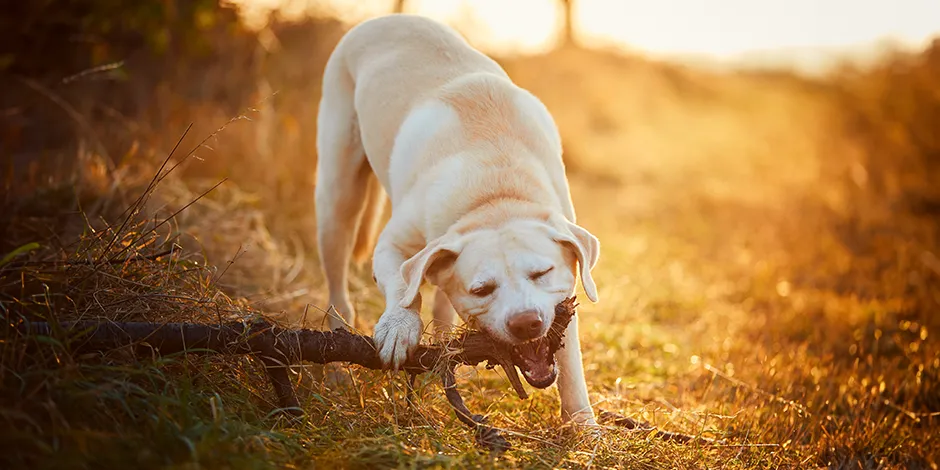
(765,278)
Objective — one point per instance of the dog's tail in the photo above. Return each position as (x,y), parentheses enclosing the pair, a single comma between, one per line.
(369,221)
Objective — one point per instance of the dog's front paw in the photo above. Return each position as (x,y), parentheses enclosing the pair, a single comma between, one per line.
(396,336)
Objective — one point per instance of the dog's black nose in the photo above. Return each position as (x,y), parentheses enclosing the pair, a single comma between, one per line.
(525,325)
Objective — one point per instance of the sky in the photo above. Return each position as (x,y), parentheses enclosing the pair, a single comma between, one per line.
(713,29)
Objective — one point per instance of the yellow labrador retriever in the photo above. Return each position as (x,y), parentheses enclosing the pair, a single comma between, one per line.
(480,203)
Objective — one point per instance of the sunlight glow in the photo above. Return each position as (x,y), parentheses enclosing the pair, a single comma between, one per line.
(729,27)
(716,29)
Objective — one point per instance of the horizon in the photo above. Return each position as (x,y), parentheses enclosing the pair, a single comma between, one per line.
(801,34)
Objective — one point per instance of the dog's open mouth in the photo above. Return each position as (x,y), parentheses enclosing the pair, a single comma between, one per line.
(536,362)
(536,358)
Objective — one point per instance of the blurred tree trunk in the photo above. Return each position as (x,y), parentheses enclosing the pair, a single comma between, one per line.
(568,38)
(399,6)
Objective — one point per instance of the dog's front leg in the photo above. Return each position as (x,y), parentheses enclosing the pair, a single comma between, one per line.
(398,330)
(572,387)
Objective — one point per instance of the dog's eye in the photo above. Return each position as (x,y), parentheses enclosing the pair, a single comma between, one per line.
(484,290)
(536,275)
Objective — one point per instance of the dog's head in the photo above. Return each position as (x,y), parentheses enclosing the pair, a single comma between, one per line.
(507,281)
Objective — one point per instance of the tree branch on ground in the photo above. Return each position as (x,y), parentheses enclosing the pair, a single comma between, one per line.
(278,348)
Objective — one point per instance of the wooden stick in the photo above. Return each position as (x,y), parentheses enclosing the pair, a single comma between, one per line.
(278,348)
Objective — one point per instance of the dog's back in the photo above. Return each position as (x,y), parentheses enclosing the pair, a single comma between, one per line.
(414,56)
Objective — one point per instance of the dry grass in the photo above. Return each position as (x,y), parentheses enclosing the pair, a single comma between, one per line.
(769,274)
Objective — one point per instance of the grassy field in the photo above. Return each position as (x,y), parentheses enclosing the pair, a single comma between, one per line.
(770,269)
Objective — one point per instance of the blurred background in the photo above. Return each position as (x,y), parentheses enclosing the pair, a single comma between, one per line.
(670,102)
(764,177)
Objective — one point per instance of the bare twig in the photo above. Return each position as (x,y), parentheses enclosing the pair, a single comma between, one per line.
(93,71)
(632,424)
(487,436)
(69,263)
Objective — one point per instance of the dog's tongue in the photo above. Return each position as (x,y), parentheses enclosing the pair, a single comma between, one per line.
(536,363)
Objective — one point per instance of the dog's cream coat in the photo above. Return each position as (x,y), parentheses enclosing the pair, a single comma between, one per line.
(480,202)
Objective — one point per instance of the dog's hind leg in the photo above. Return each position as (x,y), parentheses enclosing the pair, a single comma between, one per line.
(444,314)
(343,174)
(369,221)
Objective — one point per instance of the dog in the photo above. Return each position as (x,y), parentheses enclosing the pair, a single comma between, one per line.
(481,207)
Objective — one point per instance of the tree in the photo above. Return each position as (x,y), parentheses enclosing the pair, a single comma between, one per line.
(568,6)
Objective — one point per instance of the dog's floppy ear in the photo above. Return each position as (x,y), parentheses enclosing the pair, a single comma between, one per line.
(587,248)
(433,257)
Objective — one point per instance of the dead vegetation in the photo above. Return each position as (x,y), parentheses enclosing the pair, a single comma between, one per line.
(770,272)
